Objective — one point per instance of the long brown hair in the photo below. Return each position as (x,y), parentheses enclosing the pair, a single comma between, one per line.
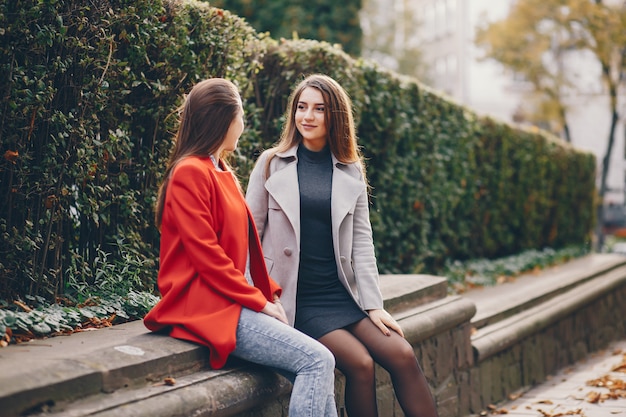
(205,116)
(341,133)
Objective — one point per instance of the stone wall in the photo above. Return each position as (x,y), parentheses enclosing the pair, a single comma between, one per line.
(526,348)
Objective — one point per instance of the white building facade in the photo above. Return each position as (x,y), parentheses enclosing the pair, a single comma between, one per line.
(445,36)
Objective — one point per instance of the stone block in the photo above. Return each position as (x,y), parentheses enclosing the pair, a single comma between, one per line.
(465,392)
(487,381)
(448,397)
(475,387)
(448,407)
(461,339)
(445,360)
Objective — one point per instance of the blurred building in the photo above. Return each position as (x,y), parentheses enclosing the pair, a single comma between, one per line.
(445,35)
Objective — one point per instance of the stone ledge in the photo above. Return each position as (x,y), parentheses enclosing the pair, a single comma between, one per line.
(54,370)
(238,388)
(499,336)
(207,392)
(421,323)
(407,291)
(127,359)
(495,304)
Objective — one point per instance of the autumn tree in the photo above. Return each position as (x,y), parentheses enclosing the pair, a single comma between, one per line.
(535,40)
(336,22)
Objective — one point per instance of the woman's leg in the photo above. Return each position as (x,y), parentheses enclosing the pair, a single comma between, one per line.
(355,362)
(395,354)
(266,341)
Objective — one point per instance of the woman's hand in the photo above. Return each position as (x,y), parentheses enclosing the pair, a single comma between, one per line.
(275,310)
(384,322)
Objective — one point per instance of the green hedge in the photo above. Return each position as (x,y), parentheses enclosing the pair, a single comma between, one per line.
(89,90)
(88,93)
(446,184)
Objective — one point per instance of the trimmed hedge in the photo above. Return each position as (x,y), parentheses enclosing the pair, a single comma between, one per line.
(89,93)
(446,184)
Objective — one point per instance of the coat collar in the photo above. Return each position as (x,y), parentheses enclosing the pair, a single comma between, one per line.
(282,185)
(293,153)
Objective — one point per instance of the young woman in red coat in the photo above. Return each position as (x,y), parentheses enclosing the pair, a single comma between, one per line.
(213,280)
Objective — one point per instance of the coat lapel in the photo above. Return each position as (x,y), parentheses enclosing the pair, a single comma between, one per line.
(282,185)
(345,192)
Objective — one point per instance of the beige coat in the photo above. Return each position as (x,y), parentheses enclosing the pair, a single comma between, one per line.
(275,206)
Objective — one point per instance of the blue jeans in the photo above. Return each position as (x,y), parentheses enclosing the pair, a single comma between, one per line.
(266,341)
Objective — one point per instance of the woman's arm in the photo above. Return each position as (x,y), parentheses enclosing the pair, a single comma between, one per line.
(364,257)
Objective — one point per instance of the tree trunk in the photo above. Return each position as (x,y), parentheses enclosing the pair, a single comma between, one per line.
(603,179)
(566,133)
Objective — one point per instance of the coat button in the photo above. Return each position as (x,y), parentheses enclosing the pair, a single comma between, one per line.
(287,251)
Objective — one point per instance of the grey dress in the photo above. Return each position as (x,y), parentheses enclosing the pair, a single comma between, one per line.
(322,302)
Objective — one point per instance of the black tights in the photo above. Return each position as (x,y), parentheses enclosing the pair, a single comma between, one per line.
(356,348)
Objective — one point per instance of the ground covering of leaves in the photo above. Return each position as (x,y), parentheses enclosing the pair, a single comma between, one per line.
(23,323)
(92,323)
(610,386)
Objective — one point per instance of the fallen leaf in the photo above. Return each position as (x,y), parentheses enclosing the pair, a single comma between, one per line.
(22,306)
(615,386)
(11,156)
(577,412)
(620,367)
(593,397)
(549,402)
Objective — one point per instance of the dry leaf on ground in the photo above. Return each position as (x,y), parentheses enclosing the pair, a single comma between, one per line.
(577,412)
(616,387)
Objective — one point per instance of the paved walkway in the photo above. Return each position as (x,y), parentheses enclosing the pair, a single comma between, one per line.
(569,393)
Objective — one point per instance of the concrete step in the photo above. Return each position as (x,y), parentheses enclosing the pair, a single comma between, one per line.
(495,337)
(401,292)
(495,304)
(103,372)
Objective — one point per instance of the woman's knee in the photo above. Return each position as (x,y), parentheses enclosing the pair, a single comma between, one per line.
(324,357)
(403,357)
(360,366)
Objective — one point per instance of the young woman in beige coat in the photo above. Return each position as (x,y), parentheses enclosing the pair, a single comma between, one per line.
(309,199)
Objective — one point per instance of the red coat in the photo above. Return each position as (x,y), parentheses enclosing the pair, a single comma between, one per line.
(205,234)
